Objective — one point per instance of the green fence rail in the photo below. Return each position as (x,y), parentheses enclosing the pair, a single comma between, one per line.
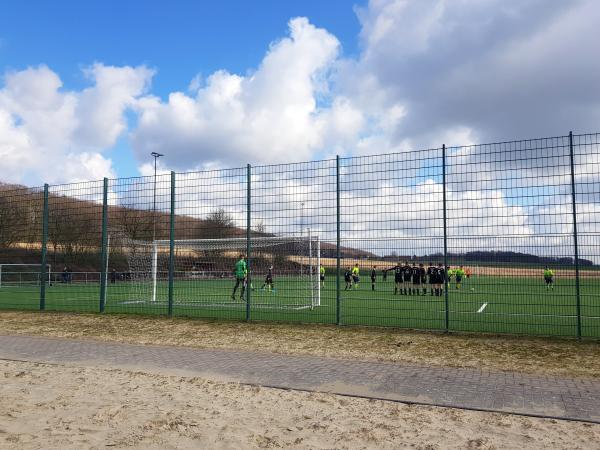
(501,238)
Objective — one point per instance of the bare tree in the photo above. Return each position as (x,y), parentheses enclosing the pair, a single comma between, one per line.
(219,224)
(260,227)
(134,223)
(14,225)
(67,228)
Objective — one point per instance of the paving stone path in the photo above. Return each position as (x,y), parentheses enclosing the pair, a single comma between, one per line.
(577,399)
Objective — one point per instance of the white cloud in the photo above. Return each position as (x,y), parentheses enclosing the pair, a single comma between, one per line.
(49,134)
(273,114)
(495,68)
(100,107)
(429,72)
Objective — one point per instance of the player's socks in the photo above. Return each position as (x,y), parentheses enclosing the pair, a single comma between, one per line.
(395,291)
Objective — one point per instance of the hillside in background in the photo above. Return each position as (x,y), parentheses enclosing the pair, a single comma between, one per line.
(75,228)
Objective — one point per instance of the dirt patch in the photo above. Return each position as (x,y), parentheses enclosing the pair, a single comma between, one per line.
(559,357)
(47,406)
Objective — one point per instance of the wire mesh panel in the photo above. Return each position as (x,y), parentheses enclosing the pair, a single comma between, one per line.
(21,217)
(293,242)
(136,268)
(499,237)
(511,248)
(210,231)
(586,149)
(74,245)
(392,239)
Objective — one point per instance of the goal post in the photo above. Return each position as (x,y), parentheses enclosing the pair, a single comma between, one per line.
(16,275)
(203,270)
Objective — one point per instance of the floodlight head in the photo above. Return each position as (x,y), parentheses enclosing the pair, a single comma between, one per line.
(157,155)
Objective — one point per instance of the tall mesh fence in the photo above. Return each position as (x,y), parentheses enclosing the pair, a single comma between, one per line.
(587,187)
(74,246)
(500,237)
(21,220)
(136,270)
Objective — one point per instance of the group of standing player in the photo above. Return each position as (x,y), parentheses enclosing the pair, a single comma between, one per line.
(409,279)
(413,279)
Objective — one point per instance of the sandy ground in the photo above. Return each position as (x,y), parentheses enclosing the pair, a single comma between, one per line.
(48,406)
(560,357)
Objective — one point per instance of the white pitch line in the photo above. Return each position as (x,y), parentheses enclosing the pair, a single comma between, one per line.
(482,308)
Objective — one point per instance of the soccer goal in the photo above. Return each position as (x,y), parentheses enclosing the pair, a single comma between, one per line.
(203,272)
(22,275)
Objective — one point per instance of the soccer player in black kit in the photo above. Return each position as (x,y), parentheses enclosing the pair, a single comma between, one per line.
(348,278)
(373,277)
(418,278)
(440,280)
(407,273)
(268,280)
(398,276)
(431,274)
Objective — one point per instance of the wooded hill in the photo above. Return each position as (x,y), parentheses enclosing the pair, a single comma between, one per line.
(75,228)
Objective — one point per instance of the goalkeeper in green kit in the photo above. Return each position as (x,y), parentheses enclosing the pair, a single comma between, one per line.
(241,277)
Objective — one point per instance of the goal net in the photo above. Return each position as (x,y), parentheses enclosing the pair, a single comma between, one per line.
(16,275)
(203,272)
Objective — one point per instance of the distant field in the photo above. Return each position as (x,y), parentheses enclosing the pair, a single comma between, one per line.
(506,304)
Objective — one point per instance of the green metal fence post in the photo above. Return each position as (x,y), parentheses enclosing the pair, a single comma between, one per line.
(104,244)
(43,270)
(248,237)
(446,302)
(575,241)
(338,315)
(172,245)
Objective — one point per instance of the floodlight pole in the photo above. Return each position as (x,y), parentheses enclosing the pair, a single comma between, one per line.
(155,155)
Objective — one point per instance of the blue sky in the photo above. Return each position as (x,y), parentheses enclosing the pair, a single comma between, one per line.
(90,88)
(179,39)
(99,85)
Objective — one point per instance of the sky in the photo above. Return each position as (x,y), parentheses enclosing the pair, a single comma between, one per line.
(89,89)
(98,85)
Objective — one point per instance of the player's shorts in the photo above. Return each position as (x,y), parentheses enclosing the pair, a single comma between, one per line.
(322,277)
(458,279)
(355,279)
(548,280)
(373,279)
(423,280)
(347,279)
(398,278)
(407,279)
(416,280)
(269,280)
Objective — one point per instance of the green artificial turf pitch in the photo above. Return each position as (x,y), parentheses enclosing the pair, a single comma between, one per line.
(519,305)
